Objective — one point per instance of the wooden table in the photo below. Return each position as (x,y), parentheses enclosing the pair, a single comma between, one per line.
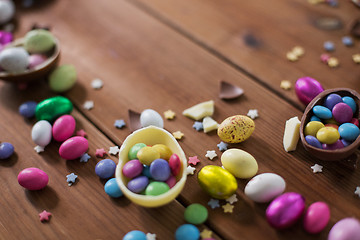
(172,55)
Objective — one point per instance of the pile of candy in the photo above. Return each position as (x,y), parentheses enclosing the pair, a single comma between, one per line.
(37,46)
(151,170)
(333,125)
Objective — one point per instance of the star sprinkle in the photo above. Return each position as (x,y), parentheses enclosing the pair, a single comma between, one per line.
(291,56)
(88,105)
(97,83)
(114,150)
(205,234)
(357,191)
(211,154)
(356,58)
(333,62)
(169,114)
(81,133)
(253,113)
(193,160)
(85,157)
(232,199)
(44,216)
(198,126)
(71,178)
(317,168)
(39,149)
(298,51)
(214,203)
(222,146)
(228,208)
(150,236)
(190,170)
(100,152)
(119,123)
(178,135)
(285,84)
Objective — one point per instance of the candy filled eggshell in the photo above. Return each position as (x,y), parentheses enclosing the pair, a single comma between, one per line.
(239,163)
(265,187)
(236,129)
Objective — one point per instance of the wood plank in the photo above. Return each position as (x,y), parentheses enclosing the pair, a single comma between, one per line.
(82,211)
(277,27)
(146,64)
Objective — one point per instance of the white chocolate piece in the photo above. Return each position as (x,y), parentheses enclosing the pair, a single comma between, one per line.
(200,110)
(209,124)
(291,134)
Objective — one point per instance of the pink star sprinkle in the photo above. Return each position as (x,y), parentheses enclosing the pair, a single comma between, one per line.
(100,152)
(193,160)
(81,133)
(44,216)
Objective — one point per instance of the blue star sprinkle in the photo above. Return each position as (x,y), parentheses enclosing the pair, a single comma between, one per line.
(198,126)
(85,157)
(329,46)
(71,178)
(120,123)
(214,203)
(347,41)
(222,146)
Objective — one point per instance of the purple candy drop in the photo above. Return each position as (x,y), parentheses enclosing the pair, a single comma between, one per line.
(160,170)
(342,113)
(331,100)
(285,210)
(313,141)
(138,184)
(5,37)
(337,145)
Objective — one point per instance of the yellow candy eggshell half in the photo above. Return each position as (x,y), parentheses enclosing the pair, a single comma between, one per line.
(239,163)
(217,182)
(236,129)
(150,136)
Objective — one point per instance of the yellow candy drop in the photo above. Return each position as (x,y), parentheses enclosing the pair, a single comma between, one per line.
(165,152)
(217,182)
(328,135)
(313,127)
(147,155)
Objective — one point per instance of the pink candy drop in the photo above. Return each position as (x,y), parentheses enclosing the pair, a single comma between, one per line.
(306,88)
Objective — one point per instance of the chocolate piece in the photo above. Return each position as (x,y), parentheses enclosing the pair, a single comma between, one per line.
(229,91)
(355,29)
(330,155)
(134,119)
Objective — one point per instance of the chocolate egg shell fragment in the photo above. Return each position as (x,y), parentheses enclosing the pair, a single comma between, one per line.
(330,155)
(52,108)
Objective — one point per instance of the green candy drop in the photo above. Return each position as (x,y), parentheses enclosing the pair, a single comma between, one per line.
(39,41)
(52,108)
(134,150)
(196,213)
(62,78)
(156,188)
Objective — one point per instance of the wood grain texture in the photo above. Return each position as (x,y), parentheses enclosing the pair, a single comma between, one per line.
(277,27)
(145,63)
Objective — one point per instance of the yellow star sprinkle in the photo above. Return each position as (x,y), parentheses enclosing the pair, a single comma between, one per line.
(205,234)
(298,51)
(292,56)
(178,135)
(285,84)
(333,62)
(315,1)
(169,114)
(356,58)
(228,208)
